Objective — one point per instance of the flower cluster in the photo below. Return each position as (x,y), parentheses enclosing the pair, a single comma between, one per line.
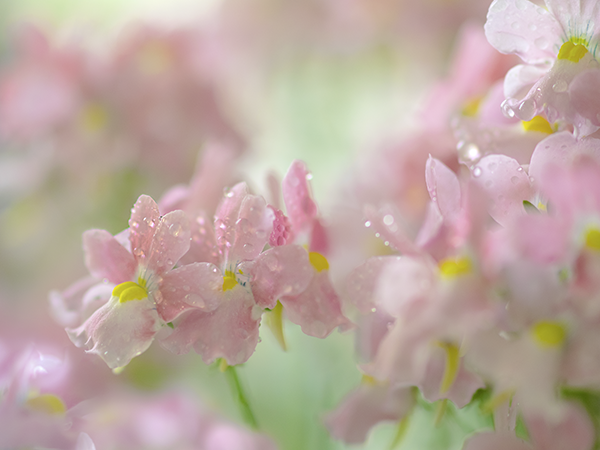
(463,259)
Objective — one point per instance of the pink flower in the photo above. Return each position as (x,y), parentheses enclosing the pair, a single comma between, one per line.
(558,43)
(242,226)
(144,283)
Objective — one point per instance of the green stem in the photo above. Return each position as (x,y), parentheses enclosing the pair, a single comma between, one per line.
(238,392)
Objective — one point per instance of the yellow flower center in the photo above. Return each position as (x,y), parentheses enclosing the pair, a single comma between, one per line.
(573,50)
(131,291)
(229,280)
(455,267)
(47,403)
(592,239)
(538,123)
(549,334)
(318,261)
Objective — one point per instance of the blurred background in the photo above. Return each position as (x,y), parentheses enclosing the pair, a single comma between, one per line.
(102,101)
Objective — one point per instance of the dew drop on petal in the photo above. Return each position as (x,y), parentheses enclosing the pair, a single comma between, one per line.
(514,180)
(477,172)
(388,219)
(368,223)
(527,109)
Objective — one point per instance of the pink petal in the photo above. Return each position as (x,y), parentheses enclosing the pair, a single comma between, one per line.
(252,229)
(203,245)
(402,282)
(388,222)
(117,332)
(72,309)
(106,258)
(317,310)
(364,408)
(506,184)
(197,285)
(301,208)
(585,95)
(142,226)
(462,389)
(277,272)
(66,305)
(509,29)
(363,281)
(227,215)
(541,239)
(579,17)
(443,187)
(574,431)
(170,242)
(230,332)
(562,150)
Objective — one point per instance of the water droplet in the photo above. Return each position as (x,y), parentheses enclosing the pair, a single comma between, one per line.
(377,234)
(532,26)
(169,262)
(515,25)
(368,223)
(134,224)
(560,86)
(309,176)
(514,180)
(373,309)
(386,243)
(519,169)
(229,194)
(527,109)
(477,172)
(186,288)
(507,109)
(522,4)
(175,229)
(248,247)
(492,166)
(388,219)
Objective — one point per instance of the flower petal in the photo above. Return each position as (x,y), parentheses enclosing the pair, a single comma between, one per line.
(106,258)
(142,226)
(523,28)
(252,229)
(301,209)
(279,271)
(197,285)
(317,310)
(170,242)
(117,332)
(230,332)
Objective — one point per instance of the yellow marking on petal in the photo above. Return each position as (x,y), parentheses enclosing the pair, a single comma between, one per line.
(93,117)
(142,282)
(368,380)
(47,403)
(223,365)
(471,108)
(274,320)
(592,239)
(452,366)
(118,370)
(455,267)
(440,412)
(538,123)
(549,334)
(318,261)
(229,281)
(129,291)
(542,207)
(400,432)
(572,51)
(493,403)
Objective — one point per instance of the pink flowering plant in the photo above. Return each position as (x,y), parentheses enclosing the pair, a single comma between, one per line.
(443,291)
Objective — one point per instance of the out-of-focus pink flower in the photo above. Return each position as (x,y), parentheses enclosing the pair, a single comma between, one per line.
(167,421)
